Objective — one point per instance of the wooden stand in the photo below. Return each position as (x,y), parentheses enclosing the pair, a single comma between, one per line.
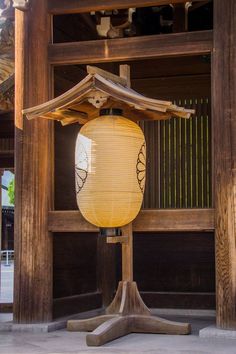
(127,313)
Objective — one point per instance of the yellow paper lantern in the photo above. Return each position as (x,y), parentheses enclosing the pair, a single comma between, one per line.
(110,161)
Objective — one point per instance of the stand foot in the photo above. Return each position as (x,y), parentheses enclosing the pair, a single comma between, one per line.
(108,331)
(126,314)
(87,325)
(152,324)
(122,325)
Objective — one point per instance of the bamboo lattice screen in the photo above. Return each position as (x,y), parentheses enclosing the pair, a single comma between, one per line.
(179,159)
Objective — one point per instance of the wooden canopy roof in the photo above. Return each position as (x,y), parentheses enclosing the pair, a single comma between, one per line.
(103,89)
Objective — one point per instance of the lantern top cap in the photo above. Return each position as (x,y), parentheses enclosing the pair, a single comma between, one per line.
(111,112)
(102,89)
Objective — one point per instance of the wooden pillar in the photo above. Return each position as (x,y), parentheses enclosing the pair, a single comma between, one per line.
(34,161)
(224,130)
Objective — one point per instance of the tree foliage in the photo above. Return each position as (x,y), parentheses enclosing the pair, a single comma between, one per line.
(11,191)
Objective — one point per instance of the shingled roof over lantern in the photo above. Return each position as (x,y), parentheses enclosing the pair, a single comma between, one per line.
(101,89)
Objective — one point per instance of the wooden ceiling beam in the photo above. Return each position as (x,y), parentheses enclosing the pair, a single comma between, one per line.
(78,6)
(156,46)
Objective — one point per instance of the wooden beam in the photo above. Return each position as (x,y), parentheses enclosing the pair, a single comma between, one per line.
(34,166)
(174,220)
(121,49)
(69,221)
(77,6)
(224,133)
(147,221)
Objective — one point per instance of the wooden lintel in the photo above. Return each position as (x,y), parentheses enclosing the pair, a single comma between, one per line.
(147,221)
(77,6)
(156,46)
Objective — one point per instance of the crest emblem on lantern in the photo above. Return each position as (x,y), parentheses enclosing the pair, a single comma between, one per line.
(81,167)
(141,167)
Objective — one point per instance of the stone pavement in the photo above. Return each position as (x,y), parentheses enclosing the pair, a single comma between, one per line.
(63,342)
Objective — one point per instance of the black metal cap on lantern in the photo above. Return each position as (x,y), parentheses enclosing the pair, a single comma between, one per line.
(110,231)
(111,112)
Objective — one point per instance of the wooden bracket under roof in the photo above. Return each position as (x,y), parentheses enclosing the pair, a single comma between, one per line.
(103,89)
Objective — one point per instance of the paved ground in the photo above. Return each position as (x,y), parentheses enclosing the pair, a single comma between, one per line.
(59,342)
(63,342)
(6,291)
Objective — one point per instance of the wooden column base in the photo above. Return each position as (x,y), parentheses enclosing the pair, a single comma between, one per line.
(126,314)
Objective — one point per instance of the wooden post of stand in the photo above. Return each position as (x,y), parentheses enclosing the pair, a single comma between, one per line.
(127,254)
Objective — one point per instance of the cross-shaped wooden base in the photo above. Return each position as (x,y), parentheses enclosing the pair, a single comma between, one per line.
(126,314)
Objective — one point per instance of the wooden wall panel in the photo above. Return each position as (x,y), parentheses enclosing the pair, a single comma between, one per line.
(74,304)
(157,71)
(74,264)
(179,300)
(174,262)
(174,270)
(174,87)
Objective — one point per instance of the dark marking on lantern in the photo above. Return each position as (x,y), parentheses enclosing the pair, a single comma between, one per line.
(81,174)
(141,167)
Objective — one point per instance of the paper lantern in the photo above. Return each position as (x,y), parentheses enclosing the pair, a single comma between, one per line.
(110,161)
